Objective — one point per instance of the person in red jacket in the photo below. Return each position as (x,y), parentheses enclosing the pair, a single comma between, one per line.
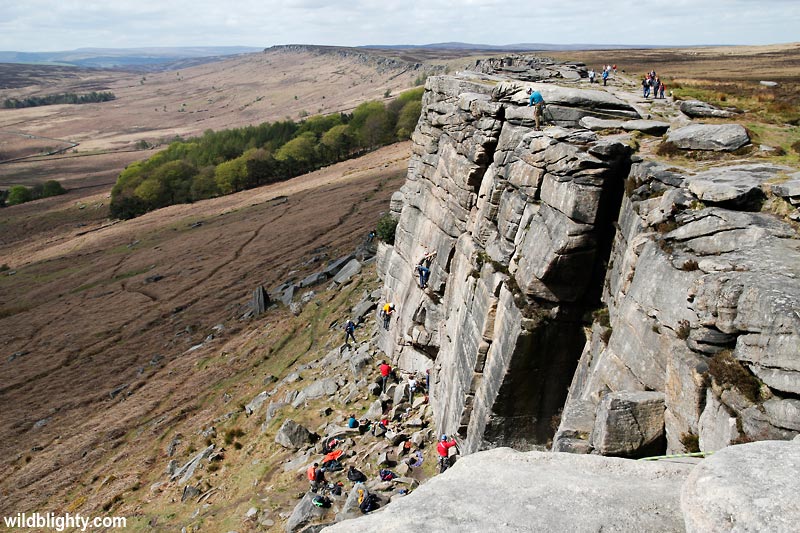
(315,476)
(386,370)
(443,449)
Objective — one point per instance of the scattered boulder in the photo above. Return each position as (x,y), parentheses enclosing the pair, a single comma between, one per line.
(335,266)
(294,436)
(749,487)
(320,388)
(189,492)
(260,301)
(256,403)
(375,410)
(716,137)
(349,270)
(186,472)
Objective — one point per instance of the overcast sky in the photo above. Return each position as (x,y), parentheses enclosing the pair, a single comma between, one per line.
(51,25)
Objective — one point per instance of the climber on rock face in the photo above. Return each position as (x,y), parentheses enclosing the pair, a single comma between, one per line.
(386,313)
(424,274)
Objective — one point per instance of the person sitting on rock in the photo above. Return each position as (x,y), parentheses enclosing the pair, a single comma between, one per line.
(352,422)
(537,101)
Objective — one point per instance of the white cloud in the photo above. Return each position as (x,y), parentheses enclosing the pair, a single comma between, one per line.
(37,25)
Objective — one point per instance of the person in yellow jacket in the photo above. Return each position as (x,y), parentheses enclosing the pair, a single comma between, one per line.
(386,313)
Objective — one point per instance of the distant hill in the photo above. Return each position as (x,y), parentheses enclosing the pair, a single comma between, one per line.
(513,47)
(136,58)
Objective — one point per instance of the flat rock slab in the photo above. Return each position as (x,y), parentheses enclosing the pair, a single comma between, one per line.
(650,127)
(596,124)
(750,487)
(734,184)
(716,137)
(537,491)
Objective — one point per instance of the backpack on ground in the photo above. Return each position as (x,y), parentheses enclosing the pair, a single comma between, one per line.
(370,503)
(355,475)
(387,475)
(322,501)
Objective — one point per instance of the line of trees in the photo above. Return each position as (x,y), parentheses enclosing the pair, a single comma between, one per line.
(232,160)
(63,98)
(19,194)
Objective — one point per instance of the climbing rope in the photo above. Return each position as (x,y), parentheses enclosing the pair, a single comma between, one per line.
(676,456)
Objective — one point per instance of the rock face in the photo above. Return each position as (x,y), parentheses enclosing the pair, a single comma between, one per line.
(691,289)
(516,219)
(716,137)
(701,304)
(537,491)
(744,488)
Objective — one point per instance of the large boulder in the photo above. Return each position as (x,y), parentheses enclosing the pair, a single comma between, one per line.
(537,491)
(698,109)
(750,487)
(716,137)
(293,435)
(629,423)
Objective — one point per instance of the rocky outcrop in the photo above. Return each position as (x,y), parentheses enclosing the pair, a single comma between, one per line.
(690,291)
(518,220)
(529,68)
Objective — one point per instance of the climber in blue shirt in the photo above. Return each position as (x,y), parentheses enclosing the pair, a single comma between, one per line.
(537,102)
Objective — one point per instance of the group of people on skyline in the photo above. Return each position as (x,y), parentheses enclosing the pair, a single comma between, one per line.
(605,73)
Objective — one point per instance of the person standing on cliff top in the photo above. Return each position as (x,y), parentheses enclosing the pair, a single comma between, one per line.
(535,99)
